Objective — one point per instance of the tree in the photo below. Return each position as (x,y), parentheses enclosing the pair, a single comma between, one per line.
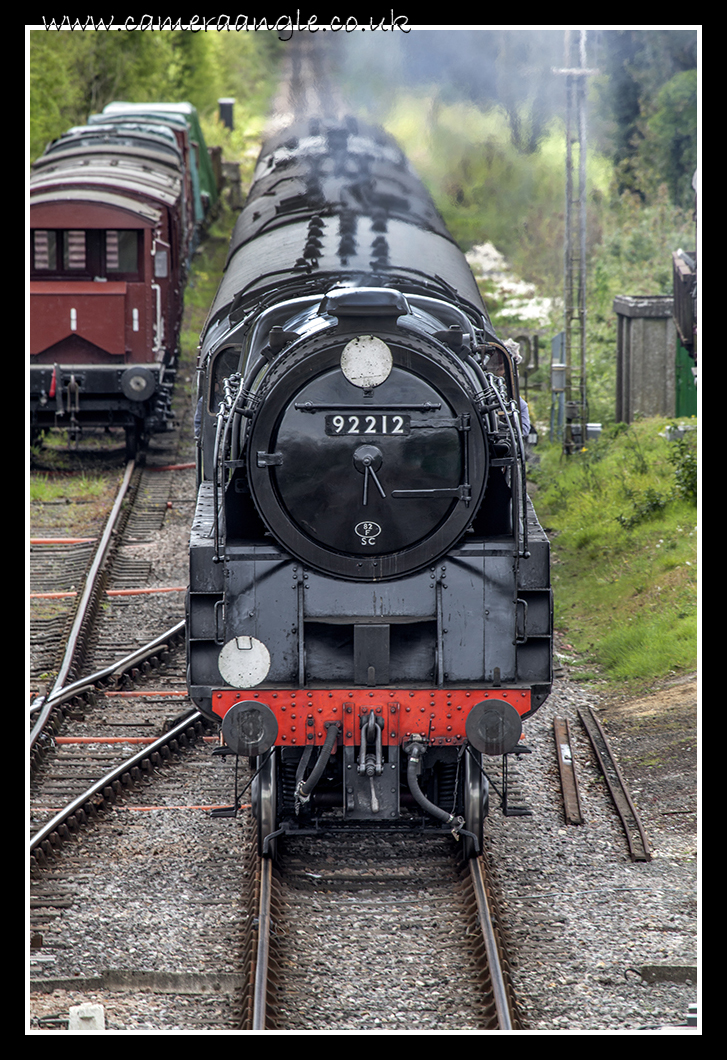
(75,74)
(669,150)
(646,96)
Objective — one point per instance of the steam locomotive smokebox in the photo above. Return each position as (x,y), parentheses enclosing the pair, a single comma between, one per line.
(494,727)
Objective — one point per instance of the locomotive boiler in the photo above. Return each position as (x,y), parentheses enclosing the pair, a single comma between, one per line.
(369,614)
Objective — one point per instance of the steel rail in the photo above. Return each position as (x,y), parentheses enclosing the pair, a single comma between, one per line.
(638,843)
(499,988)
(110,778)
(115,669)
(83,604)
(262,961)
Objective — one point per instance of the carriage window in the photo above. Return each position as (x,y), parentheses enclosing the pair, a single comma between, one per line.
(121,250)
(74,250)
(95,253)
(44,249)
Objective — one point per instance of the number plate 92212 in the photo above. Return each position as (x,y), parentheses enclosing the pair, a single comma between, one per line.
(368,423)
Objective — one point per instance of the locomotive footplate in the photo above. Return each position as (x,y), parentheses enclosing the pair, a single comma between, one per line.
(438,715)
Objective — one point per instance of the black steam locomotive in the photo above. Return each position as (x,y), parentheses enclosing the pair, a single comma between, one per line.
(369,609)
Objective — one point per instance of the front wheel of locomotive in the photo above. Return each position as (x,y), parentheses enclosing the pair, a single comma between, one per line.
(265,802)
(476,801)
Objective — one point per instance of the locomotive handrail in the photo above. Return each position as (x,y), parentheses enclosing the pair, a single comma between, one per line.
(511,416)
(462,302)
(228,416)
(327,406)
(523,480)
(215,488)
(443,310)
(221,421)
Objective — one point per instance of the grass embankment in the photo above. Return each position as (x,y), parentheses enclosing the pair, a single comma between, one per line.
(622,519)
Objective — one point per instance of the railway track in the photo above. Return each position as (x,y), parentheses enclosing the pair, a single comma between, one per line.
(57,568)
(89,576)
(383,932)
(82,728)
(93,737)
(125,756)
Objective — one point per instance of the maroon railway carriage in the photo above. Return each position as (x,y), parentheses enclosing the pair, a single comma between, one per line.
(109,245)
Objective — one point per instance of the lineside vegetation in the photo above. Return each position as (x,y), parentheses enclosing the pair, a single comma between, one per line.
(622,516)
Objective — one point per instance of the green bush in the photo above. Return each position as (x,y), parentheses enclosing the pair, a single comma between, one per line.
(683,458)
(621,517)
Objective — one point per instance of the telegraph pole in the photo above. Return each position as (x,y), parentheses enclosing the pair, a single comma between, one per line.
(574,280)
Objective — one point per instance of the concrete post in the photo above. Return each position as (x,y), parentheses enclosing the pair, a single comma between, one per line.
(646,354)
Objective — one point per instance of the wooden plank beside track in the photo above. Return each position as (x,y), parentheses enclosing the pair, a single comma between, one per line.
(566,766)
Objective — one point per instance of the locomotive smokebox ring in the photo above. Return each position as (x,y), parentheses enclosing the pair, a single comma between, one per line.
(250,728)
(494,727)
(308,467)
(138,383)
